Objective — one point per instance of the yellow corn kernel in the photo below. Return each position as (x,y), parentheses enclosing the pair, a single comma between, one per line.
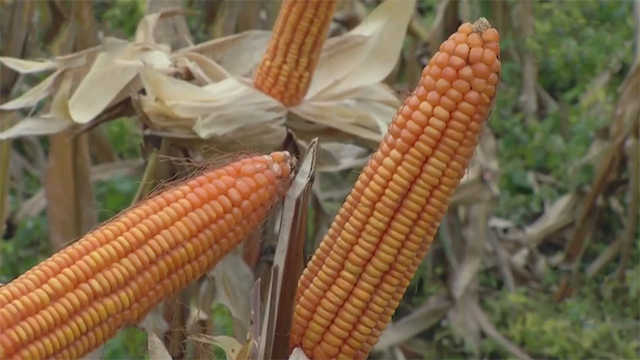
(360,271)
(73,302)
(294,49)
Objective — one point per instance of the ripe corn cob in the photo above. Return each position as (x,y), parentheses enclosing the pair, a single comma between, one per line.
(73,302)
(294,49)
(358,275)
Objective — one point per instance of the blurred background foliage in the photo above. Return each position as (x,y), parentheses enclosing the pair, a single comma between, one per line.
(573,44)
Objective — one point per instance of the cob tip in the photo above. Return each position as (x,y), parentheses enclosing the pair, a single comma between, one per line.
(481,25)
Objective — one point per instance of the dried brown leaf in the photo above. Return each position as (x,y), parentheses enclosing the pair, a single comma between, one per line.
(490,330)
(157,351)
(288,262)
(464,324)
(234,280)
(473,188)
(421,319)
(606,256)
(68,188)
(559,215)
(476,235)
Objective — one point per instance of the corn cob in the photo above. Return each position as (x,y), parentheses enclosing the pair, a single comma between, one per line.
(294,49)
(76,300)
(354,282)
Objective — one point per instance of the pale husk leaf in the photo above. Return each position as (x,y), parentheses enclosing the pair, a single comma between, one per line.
(60,103)
(217,109)
(27,66)
(203,69)
(364,112)
(58,120)
(110,74)
(238,54)
(36,126)
(35,94)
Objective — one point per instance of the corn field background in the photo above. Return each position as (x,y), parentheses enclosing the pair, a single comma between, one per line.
(538,256)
